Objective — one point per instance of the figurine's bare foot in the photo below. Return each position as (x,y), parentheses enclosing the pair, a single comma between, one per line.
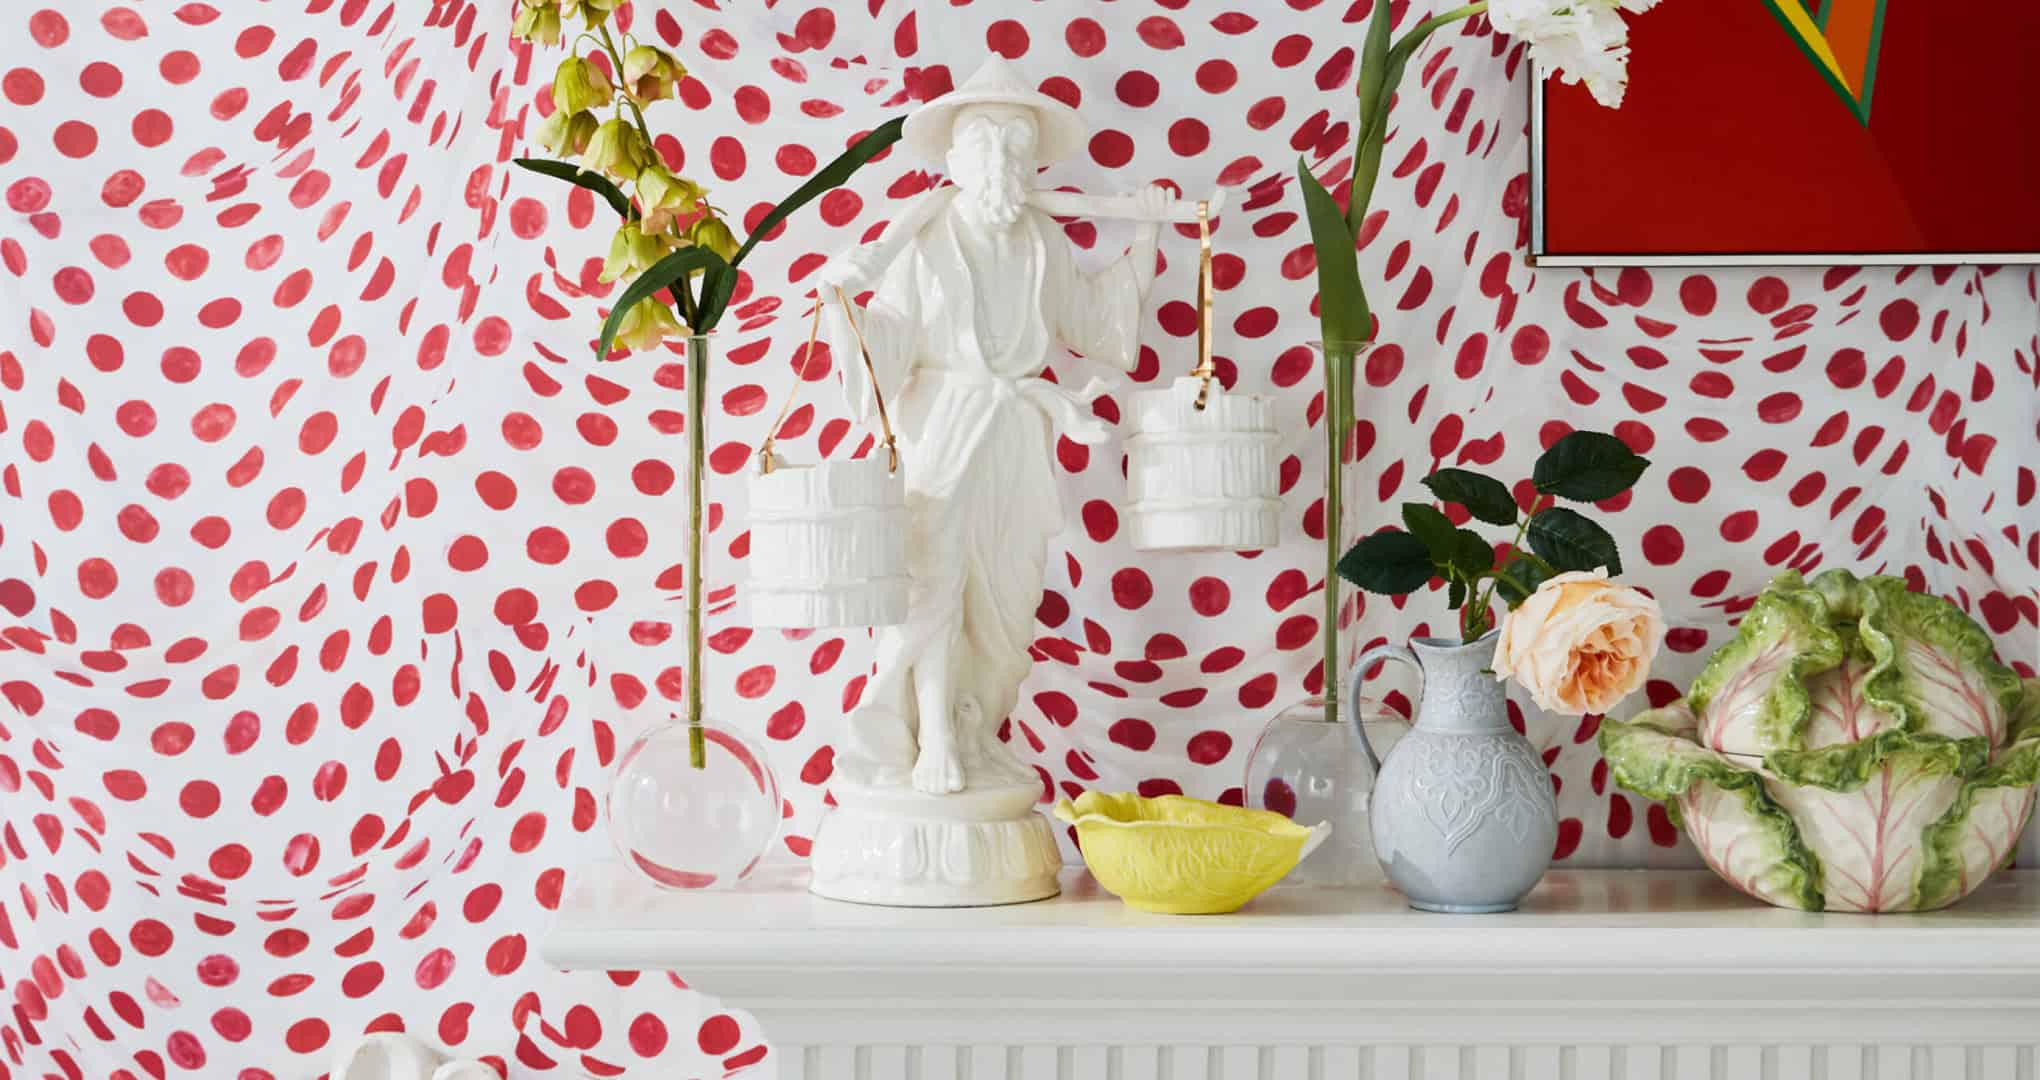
(939,770)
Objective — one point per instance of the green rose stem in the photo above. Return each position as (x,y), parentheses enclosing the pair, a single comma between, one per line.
(1473,618)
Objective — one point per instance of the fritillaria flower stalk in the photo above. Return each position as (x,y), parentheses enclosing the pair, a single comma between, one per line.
(671,240)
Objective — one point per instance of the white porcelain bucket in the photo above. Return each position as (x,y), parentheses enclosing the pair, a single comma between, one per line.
(829,545)
(1203,479)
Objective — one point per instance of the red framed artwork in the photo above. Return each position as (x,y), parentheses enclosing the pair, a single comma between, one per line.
(1767,132)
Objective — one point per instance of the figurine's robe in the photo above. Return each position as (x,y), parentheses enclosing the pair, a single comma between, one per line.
(976,424)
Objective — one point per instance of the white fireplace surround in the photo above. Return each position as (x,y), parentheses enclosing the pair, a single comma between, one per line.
(1604,975)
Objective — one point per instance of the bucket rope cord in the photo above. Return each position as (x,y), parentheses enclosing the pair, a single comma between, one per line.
(766,462)
(1201,469)
(1205,303)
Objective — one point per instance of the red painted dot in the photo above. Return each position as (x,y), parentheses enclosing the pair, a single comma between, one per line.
(1131,588)
(1209,747)
(718,1035)
(1084,37)
(1132,733)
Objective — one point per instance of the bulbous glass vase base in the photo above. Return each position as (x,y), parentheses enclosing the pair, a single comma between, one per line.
(684,827)
(1310,769)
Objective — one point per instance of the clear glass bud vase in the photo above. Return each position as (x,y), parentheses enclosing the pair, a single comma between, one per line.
(1309,763)
(1310,769)
(694,805)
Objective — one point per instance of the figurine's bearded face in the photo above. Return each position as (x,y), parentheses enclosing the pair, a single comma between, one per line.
(991,158)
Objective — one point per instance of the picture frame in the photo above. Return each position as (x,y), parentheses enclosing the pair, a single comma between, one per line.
(1580,188)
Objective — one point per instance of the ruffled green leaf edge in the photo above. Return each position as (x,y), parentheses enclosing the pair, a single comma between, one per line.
(1658,755)
(2017,765)
(1787,607)
(1889,613)
(1831,613)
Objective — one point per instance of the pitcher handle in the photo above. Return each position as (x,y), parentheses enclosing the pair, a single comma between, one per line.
(1380,653)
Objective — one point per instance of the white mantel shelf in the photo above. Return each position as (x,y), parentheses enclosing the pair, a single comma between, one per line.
(1603,974)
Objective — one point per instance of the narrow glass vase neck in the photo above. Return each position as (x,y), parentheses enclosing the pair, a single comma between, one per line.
(1341,359)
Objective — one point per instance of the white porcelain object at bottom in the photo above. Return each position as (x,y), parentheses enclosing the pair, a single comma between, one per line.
(1203,479)
(829,544)
(391,1056)
(904,848)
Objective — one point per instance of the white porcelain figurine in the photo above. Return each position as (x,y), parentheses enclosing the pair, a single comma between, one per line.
(974,287)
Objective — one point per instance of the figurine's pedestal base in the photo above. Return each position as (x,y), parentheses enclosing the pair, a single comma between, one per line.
(901,848)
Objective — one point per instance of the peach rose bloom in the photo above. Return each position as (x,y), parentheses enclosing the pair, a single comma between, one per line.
(1580,643)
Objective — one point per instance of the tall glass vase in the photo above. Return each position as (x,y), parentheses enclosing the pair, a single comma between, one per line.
(1309,763)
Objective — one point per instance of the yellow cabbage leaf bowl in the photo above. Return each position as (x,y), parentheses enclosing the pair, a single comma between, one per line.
(1183,856)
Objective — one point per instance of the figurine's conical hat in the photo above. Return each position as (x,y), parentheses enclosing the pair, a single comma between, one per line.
(1058,129)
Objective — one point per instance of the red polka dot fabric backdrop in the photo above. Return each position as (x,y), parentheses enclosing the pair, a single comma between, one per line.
(333,569)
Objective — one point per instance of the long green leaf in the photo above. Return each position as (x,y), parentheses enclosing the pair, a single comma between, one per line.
(659,275)
(579,177)
(1374,125)
(831,176)
(1570,541)
(1342,304)
(1368,87)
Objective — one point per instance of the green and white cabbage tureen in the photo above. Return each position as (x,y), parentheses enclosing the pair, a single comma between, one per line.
(1856,747)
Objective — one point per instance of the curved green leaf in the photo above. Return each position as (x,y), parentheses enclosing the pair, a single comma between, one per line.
(579,177)
(1587,466)
(1389,562)
(1373,90)
(1484,497)
(1430,525)
(1523,578)
(716,286)
(1472,555)
(1572,542)
(673,268)
(831,176)
(1342,303)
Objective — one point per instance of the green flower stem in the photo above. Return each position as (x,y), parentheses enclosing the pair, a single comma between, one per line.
(683,298)
(1335,437)
(616,58)
(697,446)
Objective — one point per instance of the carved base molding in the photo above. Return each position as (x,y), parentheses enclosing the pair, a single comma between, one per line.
(1598,1061)
(901,848)
(1602,975)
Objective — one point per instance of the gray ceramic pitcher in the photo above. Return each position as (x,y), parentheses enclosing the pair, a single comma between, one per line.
(1463,816)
